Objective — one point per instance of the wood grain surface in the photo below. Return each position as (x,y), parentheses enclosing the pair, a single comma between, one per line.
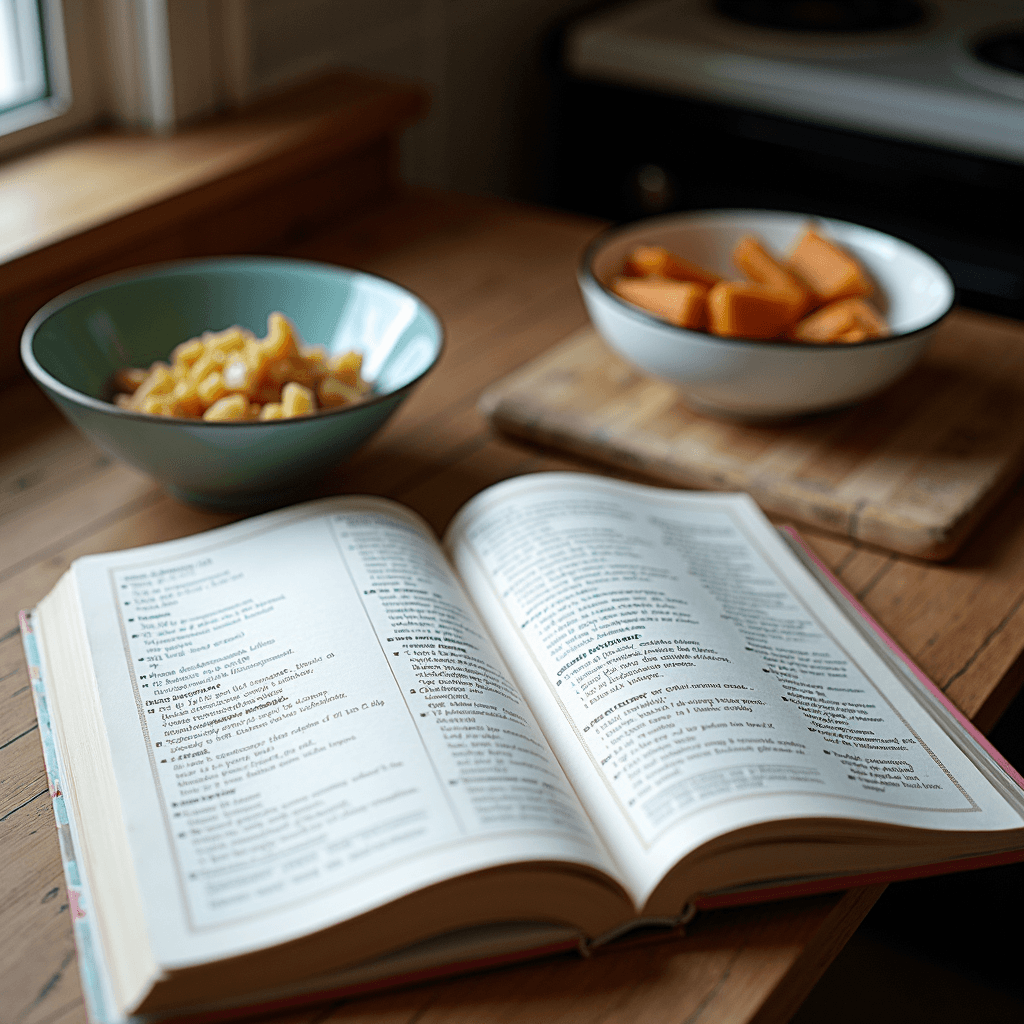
(501,278)
(912,470)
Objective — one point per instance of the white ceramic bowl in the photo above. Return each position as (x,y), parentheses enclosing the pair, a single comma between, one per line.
(756,379)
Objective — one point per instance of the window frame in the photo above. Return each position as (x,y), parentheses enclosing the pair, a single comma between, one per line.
(139,64)
(71,68)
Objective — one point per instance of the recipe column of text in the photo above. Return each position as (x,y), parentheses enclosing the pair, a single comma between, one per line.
(283,751)
(655,649)
(483,738)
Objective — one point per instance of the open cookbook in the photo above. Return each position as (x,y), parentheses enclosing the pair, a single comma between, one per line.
(318,750)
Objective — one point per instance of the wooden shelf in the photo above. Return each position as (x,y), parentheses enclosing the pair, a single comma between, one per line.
(236,183)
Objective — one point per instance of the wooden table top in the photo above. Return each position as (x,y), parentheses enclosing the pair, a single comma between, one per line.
(502,279)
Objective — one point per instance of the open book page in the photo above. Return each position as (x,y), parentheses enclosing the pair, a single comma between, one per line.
(693,678)
(307,721)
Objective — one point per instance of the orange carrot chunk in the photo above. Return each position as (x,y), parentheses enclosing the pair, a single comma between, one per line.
(679,302)
(654,261)
(847,320)
(763,269)
(746,311)
(828,271)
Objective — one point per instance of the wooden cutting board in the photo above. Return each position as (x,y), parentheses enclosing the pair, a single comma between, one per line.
(911,470)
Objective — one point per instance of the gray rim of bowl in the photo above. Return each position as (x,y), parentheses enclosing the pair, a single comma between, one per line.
(43,377)
(586,273)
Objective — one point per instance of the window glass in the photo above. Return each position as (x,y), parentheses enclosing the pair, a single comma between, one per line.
(23,77)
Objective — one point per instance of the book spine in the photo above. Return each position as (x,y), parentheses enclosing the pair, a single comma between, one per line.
(97,1000)
(320,997)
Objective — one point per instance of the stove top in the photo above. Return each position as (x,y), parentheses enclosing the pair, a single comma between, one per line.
(942,72)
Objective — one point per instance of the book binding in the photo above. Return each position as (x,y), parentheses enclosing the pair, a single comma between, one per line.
(94,988)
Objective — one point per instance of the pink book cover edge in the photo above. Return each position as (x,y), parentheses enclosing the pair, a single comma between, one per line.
(968,725)
(843,882)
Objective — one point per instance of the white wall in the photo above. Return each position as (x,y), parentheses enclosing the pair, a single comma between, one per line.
(479,58)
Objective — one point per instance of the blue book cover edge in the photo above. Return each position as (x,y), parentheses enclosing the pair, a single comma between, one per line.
(97,998)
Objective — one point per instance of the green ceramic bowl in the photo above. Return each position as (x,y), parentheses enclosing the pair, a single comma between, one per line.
(75,343)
